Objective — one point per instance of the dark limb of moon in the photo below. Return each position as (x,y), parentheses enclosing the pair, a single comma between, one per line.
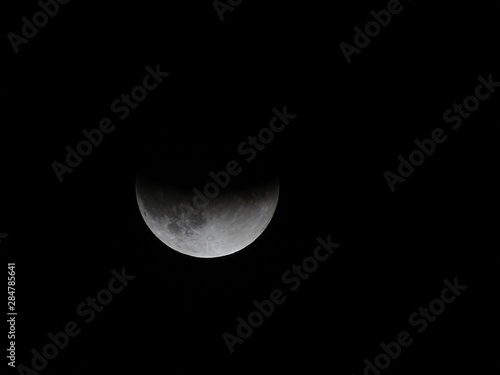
(228,223)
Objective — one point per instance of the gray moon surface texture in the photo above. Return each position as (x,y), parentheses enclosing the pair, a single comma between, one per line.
(228,223)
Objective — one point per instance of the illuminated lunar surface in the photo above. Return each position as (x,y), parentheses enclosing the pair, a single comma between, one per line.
(228,223)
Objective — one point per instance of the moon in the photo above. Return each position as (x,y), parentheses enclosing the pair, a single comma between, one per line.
(185,222)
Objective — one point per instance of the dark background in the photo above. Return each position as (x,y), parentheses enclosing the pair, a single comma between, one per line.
(226,77)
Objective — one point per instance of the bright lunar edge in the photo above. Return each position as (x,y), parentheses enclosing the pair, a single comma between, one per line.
(231,221)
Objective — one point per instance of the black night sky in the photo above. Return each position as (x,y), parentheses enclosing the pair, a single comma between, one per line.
(225,78)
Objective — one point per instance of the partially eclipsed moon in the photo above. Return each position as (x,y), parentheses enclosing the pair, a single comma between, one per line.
(228,223)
